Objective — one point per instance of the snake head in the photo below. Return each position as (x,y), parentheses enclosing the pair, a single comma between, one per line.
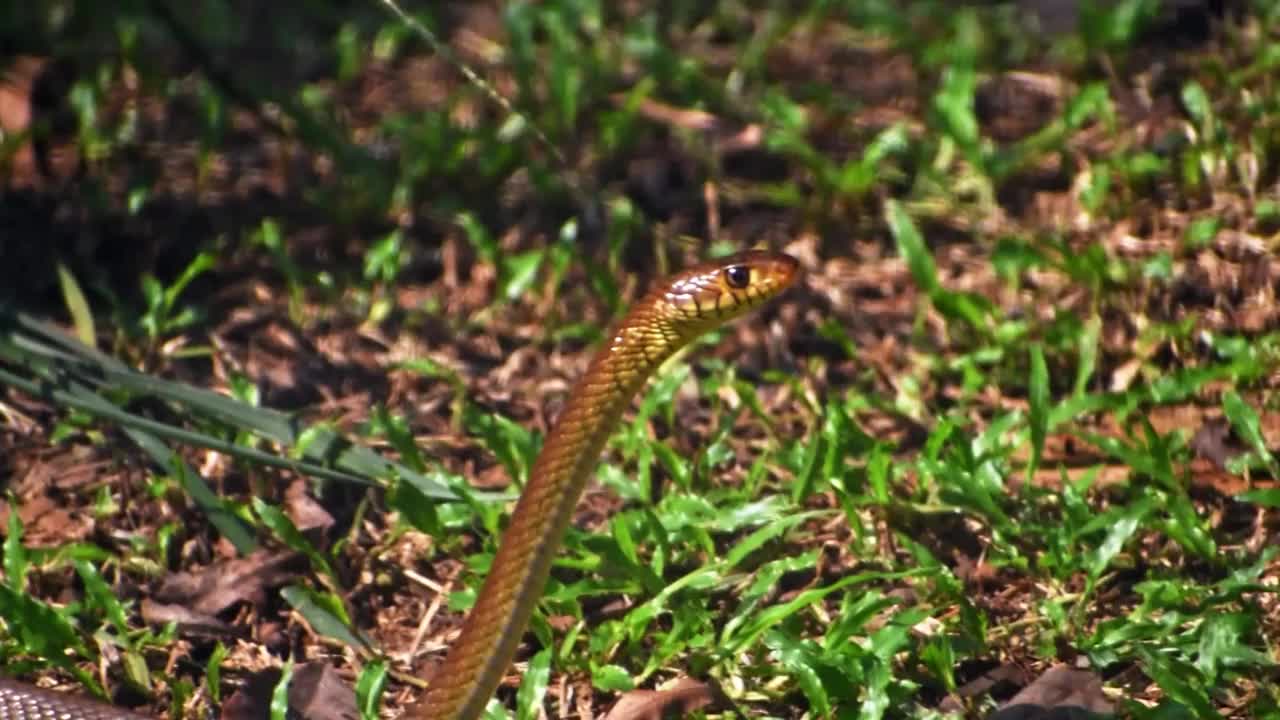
(716,291)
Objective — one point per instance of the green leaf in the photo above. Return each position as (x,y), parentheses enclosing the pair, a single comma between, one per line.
(1038,400)
(860,174)
(41,630)
(1121,529)
(198,266)
(1198,106)
(1266,497)
(15,553)
(383,259)
(213,671)
(1092,102)
(773,530)
(325,613)
(811,469)
(288,533)
(1179,681)
(370,685)
(135,669)
(912,247)
(1097,192)
(1087,345)
(280,693)
(939,656)
(102,596)
(879,465)
(972,308)
(398,433)
(220,514)
(77,305)
(68,373)
(1200,233)
(1245,422)
(1220,637)
(954,105)
(674,464)
(518,272)
(1185,525)
(1113,25)
(804,664)
(414,506)
(512,444)
(768,618)
(612,679)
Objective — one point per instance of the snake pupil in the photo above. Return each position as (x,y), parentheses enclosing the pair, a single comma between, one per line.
(738,276)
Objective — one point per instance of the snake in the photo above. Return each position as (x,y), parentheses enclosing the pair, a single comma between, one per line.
(669,317)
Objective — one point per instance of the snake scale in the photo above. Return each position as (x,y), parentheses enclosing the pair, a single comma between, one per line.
(676,311)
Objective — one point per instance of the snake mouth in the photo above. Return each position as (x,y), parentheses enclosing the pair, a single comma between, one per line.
(785,270)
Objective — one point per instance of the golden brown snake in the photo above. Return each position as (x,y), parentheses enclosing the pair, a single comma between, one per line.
(675,312)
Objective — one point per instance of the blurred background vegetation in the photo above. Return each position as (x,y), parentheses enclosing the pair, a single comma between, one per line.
(169,130)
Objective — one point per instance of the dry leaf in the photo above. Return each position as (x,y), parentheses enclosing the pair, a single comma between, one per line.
(676,700)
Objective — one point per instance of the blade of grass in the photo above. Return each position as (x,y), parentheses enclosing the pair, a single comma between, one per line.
(369,688)
(232,527)
(1038,399)
(325,614)
(1245,421)
(77,305)
(60,361)
(534,686)
(78,397)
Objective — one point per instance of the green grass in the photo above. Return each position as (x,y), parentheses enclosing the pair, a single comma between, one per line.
(856,522)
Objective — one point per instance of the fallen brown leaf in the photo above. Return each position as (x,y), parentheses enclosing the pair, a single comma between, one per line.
(316,692)
(307,514)
(189,621)
(1061,693)
(1001,678)
(319,693)
(223,584)
(676,700)
(1214,442)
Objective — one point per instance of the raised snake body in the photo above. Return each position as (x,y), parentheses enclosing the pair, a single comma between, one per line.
(672,314)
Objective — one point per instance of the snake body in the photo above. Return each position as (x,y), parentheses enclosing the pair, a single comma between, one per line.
(675,312)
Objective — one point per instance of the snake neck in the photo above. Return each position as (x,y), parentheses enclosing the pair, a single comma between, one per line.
(572,449)
(492,630)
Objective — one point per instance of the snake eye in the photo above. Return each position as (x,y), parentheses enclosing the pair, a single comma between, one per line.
(738,276)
